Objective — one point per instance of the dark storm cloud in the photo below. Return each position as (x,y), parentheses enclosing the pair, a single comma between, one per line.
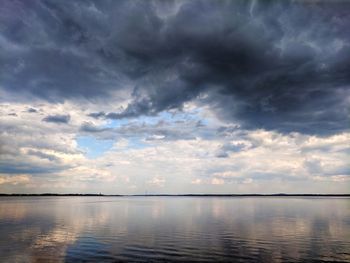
(276,65)
(57,118)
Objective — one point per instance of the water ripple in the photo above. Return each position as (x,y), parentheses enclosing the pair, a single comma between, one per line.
(174,230)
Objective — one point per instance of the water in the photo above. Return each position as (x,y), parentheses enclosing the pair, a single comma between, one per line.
(174,229)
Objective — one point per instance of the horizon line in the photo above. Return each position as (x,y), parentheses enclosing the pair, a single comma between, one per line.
(162,194)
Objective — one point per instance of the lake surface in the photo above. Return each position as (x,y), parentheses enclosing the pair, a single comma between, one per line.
(174,229)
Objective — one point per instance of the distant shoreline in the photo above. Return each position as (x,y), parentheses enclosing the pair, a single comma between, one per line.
(186,195)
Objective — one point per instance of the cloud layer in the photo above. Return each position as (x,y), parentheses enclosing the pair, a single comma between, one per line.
(277,65)
(221,86)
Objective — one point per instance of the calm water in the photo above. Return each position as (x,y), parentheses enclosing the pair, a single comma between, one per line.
(113,229)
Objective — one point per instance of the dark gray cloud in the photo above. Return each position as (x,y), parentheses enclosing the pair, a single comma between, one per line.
(230,147)
(57,118)
(43,155)
(32,110)
(278,65)
(13,167)
(97,114)
(22,165)
(89,127)
(314,166)
(221,154)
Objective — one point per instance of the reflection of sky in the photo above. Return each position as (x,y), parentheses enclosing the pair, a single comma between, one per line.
(169,228)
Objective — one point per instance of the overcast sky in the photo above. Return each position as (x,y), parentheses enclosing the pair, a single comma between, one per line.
(128,97)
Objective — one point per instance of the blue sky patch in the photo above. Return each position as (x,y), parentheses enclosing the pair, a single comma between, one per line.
(93,147)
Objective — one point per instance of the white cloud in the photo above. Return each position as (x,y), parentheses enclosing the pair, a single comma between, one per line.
(157,181)
(48,158)
(15,179)
(217,181)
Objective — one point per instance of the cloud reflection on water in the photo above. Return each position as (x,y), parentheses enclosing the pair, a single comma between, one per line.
(169,228)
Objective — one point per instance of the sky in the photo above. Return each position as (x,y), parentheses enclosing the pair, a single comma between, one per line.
(134,97)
